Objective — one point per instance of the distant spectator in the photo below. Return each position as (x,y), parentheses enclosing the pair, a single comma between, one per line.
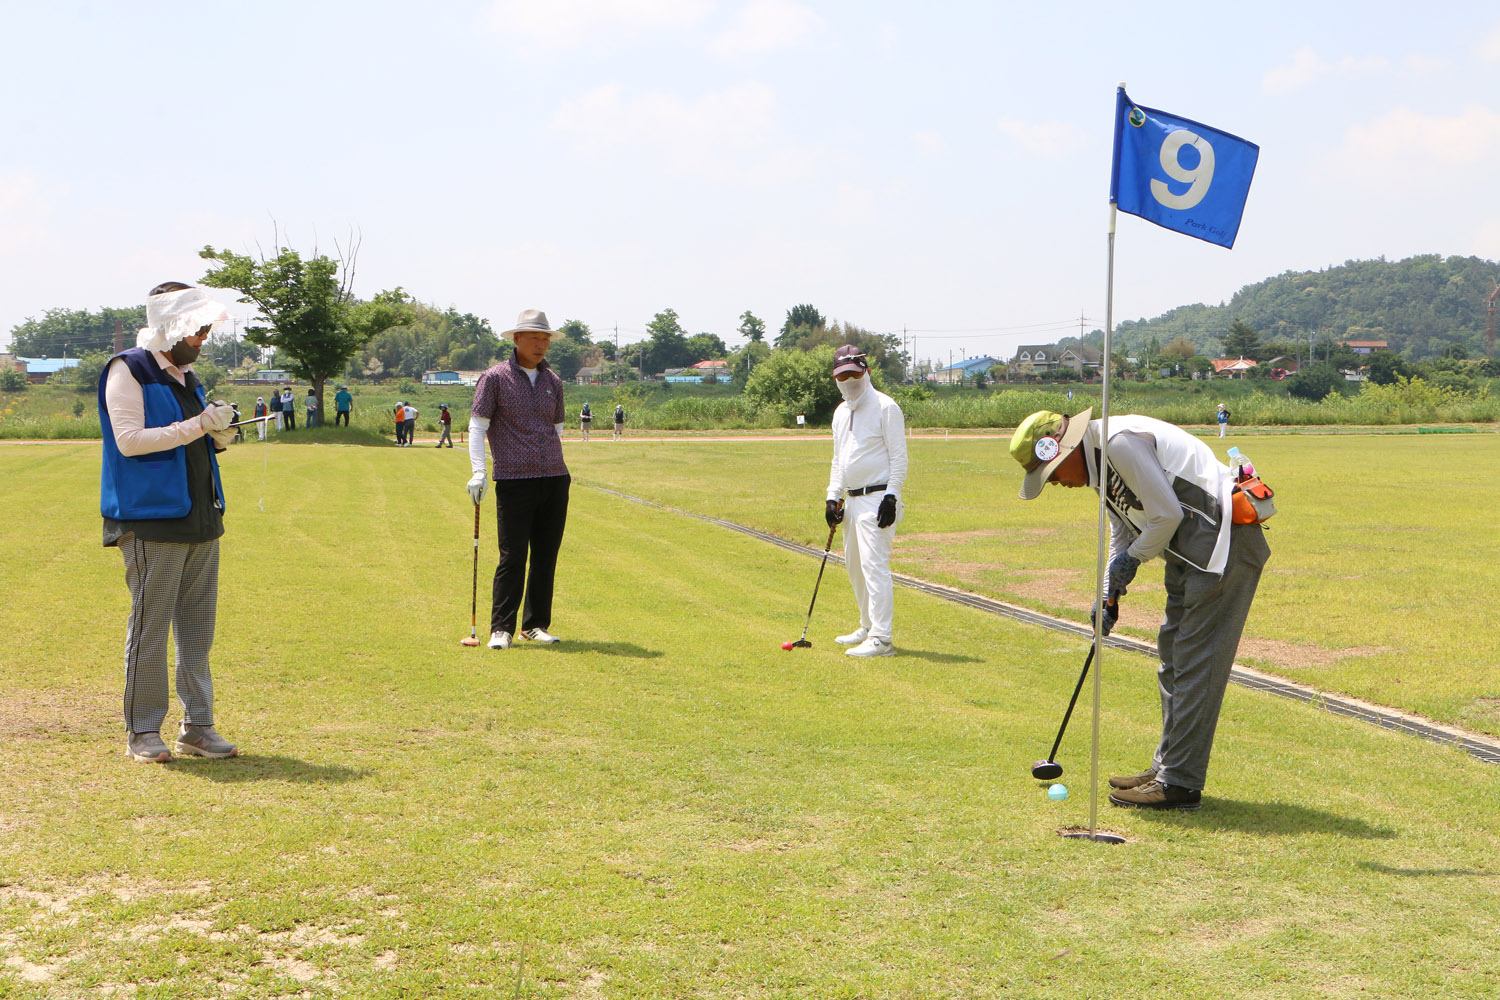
(410,415)
(446,420)
(289,409)
(619,422)
(1223,421)
(239,432)
(585,420)
(400,425)
(261,411)
(276,408)
(312,410)
(343,403)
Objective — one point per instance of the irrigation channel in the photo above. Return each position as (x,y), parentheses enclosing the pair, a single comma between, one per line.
(1479,747)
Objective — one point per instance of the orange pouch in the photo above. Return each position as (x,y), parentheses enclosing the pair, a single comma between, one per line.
(1253,502)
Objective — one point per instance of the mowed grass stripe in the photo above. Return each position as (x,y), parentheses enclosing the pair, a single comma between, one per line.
(670,805)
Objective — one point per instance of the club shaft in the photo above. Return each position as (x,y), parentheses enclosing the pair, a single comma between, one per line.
(822,566)
(474,590)
(1071,702)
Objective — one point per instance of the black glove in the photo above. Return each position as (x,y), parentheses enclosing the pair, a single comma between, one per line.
(1111,615)
(1121,571)
(833,512)
(886,515)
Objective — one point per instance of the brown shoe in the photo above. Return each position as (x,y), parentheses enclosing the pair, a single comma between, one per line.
(1155,795)
(1133,780)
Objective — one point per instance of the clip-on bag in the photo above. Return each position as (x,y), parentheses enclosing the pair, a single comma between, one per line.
(1252,500)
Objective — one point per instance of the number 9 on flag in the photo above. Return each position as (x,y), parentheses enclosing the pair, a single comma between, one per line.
(1180,174)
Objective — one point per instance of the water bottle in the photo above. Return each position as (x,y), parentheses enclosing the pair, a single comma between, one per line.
(1239,463)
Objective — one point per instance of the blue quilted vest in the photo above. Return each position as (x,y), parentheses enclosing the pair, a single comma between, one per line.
(152,486)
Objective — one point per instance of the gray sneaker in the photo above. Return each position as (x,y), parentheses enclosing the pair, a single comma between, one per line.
(147,747)
(202,741)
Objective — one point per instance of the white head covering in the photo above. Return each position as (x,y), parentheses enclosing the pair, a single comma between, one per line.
(171,316)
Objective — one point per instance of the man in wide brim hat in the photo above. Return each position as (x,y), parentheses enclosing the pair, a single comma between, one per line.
(532,321)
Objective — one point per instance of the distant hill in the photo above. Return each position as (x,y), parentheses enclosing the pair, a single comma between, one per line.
(1421,305)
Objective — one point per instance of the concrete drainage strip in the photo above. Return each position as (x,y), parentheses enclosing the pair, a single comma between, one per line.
(1477,746)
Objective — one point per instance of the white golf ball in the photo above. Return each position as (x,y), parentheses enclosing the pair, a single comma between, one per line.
(1057,793)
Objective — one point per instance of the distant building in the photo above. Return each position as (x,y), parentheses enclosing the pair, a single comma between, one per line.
(1043,359)
(451,377)
(698,372)
(1232,367)
(1365,346)
(38,369)
(963,371)
(590,374)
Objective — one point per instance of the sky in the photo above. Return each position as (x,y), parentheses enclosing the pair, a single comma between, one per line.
(939,170)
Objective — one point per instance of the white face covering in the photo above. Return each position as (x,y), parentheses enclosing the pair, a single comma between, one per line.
(853,389)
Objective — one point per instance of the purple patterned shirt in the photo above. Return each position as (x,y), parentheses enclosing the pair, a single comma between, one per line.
(522,435)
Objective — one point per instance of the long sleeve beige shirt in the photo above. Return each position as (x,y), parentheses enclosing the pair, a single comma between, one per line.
(127,411)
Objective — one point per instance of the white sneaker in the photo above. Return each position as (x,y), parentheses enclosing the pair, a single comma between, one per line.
(539,635)
(873,646)
(499,640)
(854,638)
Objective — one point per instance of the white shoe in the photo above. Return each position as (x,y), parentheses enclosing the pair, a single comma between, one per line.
(499,640)
(873,646)
(539,635)
(854,638)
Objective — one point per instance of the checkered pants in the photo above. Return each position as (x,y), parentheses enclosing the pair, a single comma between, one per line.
(176,585)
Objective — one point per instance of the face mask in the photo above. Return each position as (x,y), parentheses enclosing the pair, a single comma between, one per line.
(183,353)
(853,388)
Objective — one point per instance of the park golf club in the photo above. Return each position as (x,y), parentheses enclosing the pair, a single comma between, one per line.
(473,639)
(1050,769)
(803,642)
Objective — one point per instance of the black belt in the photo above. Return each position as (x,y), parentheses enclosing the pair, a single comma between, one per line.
(867,489)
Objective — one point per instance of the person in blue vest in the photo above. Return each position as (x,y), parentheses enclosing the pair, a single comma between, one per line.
(163,508)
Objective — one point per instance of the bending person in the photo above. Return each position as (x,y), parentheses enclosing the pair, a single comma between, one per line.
(1166,496)
(518,410)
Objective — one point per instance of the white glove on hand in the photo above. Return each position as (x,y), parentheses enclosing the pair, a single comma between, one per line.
(215,417)
(222,439)
(476,487)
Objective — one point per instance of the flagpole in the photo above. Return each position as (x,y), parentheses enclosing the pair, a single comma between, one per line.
(1102,542)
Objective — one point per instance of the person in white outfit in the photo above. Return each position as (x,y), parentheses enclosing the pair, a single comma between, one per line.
(865,481)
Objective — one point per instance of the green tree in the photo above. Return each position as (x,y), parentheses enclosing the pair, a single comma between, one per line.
(752,327)
(667,346)
(90,368)
(576,330)
(745,360)
(1386,367)
(316,323)
(13,380)
(1241,341)
(566,355)
(704,347)
(1314,382)
(795,382)
(73,332)
(802,322)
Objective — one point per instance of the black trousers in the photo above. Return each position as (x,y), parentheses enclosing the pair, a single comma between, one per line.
(532,514)
(341,415)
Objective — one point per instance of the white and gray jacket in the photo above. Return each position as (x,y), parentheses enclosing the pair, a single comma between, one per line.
(1165,493)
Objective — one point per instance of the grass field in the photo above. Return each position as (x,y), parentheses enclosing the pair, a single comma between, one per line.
(667,805)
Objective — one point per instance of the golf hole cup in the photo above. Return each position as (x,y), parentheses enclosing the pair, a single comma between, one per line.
(1057,793)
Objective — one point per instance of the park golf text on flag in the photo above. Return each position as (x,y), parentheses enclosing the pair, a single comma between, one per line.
(1180,174)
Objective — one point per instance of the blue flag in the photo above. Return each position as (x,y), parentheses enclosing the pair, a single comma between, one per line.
(1180,174)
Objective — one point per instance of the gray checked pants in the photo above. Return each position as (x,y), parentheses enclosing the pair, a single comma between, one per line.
(1198,640)
(176,585)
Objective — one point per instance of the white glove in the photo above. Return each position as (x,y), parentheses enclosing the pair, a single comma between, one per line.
(215,417)
(223,439)
(476,487)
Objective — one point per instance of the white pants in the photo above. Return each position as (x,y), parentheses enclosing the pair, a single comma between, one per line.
(867,556)
(261,428)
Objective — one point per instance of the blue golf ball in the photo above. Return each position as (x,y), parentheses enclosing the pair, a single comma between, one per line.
(1057,793)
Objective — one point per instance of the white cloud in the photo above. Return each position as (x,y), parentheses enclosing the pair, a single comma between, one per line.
(1307,66)
(728,135)
(558,23)
(851,206)
(1489,47)
(764,25)
(1042,138)
(1417,63)
(1430,141)
(930,143)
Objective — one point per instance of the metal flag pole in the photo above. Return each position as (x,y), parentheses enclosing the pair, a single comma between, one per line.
(1102,546)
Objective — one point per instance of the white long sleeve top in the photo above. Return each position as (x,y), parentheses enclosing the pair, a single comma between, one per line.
(127,412)
(869,445)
